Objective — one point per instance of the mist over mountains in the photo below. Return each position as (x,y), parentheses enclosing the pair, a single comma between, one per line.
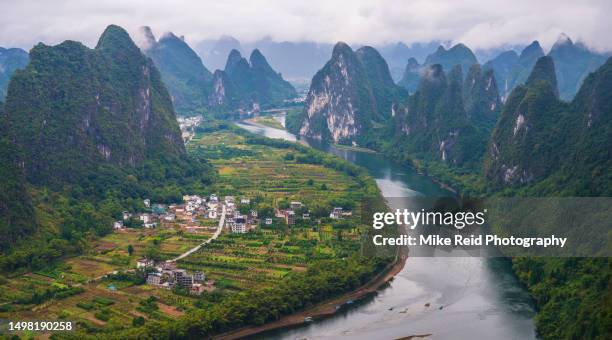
(301,60)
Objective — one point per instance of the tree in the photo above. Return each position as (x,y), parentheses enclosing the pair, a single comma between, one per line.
(130,249)
(138,321)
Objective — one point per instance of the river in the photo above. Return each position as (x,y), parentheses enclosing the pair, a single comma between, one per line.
(448,297)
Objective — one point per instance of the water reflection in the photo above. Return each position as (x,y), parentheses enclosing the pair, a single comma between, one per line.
(448,297)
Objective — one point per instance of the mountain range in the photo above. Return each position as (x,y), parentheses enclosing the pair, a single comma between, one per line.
(240,85)
(353,100)
(298,61)
(574,62)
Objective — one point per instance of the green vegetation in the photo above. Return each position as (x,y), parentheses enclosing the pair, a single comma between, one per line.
(100,137)
(246,85)
(323,279)
(290,266)
(187,79)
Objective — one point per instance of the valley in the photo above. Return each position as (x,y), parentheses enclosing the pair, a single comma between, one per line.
(104,292)
(191,184)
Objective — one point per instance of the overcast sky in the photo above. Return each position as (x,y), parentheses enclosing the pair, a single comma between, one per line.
(479,24)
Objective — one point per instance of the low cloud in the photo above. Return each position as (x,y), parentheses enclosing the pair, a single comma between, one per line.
(479,24)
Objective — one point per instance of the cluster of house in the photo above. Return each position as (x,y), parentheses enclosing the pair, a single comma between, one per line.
(186,214)
(167,275)
(149,219)
(289,214)
(195,207)
(237,222)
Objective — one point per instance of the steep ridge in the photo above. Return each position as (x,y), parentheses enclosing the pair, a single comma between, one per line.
(411,76)
(434,124)
(248,85)
(182,70)
(573,63)
(503,67)
(457,55)
(89,133)
(353,92)
(539,136)
(481,97)
(73,109)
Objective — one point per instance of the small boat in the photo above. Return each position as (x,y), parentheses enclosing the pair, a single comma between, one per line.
(350,302)
(308,319)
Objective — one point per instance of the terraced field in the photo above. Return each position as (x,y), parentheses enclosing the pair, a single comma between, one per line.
(271,176)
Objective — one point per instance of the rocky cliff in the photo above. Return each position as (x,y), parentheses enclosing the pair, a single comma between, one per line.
(350,94)
(248,85)
(74,109)
(541,137)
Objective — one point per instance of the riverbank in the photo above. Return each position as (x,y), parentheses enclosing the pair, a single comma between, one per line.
(325,309)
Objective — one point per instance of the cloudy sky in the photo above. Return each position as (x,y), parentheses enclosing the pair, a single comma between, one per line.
(477,23)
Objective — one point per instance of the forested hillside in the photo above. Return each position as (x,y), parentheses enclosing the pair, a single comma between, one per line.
(94,132)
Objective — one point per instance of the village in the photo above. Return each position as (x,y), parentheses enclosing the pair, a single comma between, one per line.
(203,215)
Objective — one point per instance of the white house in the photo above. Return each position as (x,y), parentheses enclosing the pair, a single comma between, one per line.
(239,228)
(147,203)
(118,225)
(145,218)
(154,279)
(145,263)
(336,213)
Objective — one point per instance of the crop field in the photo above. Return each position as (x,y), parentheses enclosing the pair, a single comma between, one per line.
(273,176)
(84,288)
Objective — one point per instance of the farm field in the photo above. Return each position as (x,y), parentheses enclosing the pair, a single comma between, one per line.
(102,291)
(272,178)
